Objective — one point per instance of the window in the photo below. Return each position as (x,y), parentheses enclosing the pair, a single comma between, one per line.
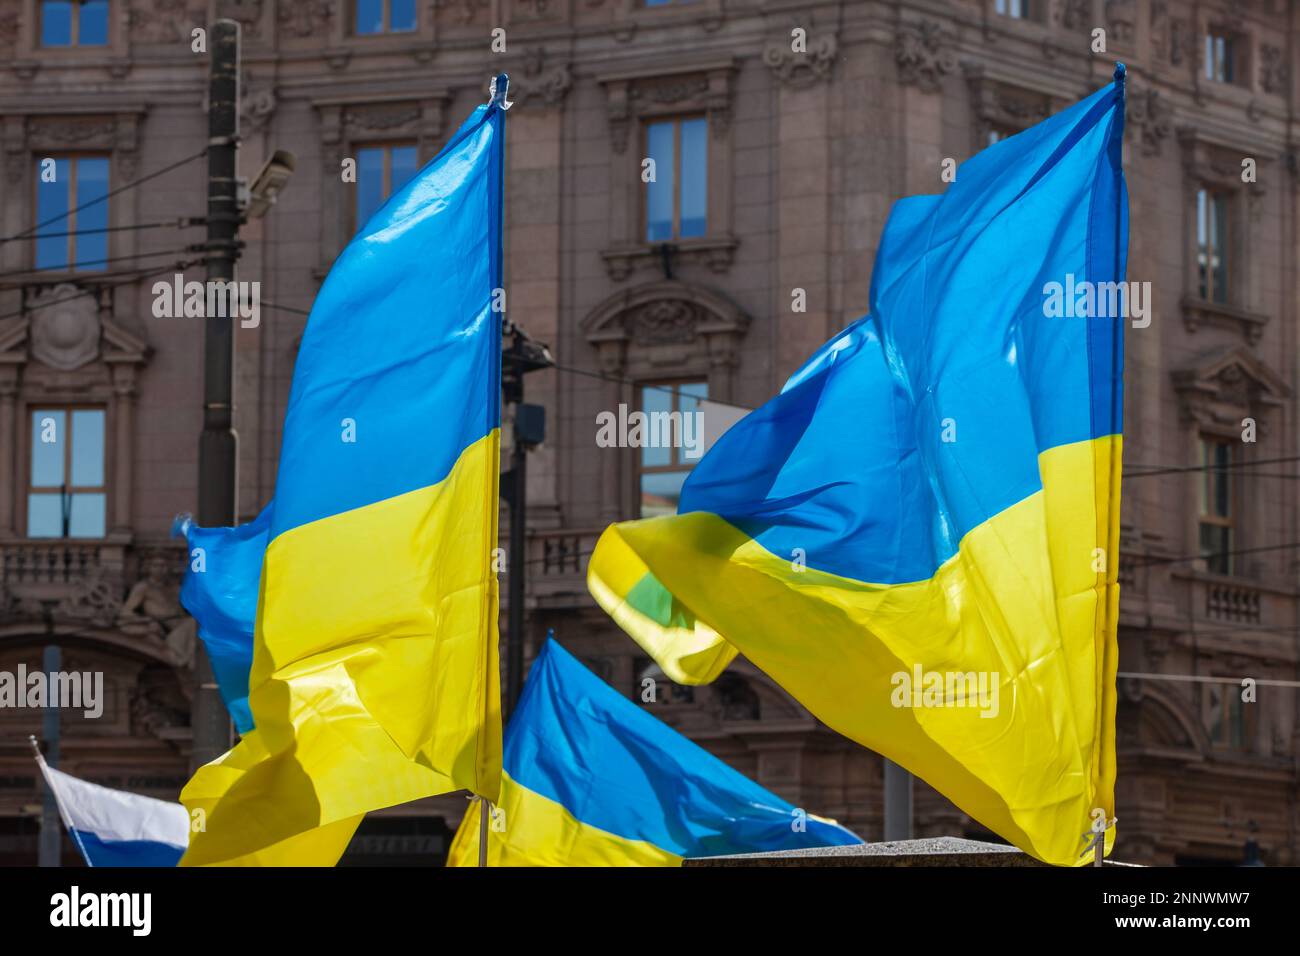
(670,443)
(1015,9)
(1221,57)
(1212,244)
(675,201)
(74,23)
(1228,720)
(998,132)
(384,16)
(66,497)
(1216,504)
(73,238)
(381,171)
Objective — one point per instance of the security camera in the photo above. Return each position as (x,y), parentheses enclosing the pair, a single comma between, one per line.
(268,183)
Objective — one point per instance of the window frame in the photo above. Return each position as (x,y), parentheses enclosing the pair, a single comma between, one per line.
(1206,285)
(1029,8)
(70,267)
(387,29)
(1207,515)
(74,32)
(387,145)
(676,121)
(677,462)
(1233,63)
(31,407)
(1238,718)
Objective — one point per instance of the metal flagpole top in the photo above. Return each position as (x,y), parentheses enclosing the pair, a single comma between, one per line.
(498,90)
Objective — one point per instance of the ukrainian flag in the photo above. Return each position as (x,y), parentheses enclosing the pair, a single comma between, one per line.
(220,592)
(374,675)
(935,494)
(591,779)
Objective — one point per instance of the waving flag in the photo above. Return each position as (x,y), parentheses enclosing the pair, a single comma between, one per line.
(220,592)
(917,538)
(374,676)
(116,828)
(591,779)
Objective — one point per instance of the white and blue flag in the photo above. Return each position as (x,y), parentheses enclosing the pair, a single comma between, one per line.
(115,828)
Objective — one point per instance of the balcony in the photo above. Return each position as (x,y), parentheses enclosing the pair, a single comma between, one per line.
(557,567)
(81,581)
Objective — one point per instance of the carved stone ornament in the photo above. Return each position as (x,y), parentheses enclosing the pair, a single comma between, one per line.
(305,18)
(538,79)
(665,313)
(64,336)
(9,26)
(248,13)
(1150,117)
(164,21)
(707,88)
(463,11)
(1073,14)
(802,68)
(1274,73)
(922,55)
(1158,31)
(1227,387)
(258,103)
(380,118)
(1121,19)
(534,10)
(667,320)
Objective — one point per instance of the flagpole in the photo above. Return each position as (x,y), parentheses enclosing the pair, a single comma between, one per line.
(1117,420)
(58,801)
(497,93)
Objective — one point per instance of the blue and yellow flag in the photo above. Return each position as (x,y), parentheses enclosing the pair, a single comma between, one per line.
(220,592)
(591,779)
(374,677)
(917,538)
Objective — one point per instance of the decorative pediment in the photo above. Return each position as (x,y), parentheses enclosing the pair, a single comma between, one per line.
(660,312)
(665,314)
(64,330)
(116,130)
(688,86)
(351,119)
(999,103)
(1227,386)
(1217,163)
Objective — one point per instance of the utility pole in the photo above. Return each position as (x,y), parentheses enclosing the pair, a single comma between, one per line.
(898,802)
(217,448)
(529,430)
(50,848)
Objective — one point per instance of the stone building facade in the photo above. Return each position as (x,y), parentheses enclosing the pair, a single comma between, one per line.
(788,129)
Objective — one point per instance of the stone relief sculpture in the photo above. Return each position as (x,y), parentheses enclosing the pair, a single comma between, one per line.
(153,609)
